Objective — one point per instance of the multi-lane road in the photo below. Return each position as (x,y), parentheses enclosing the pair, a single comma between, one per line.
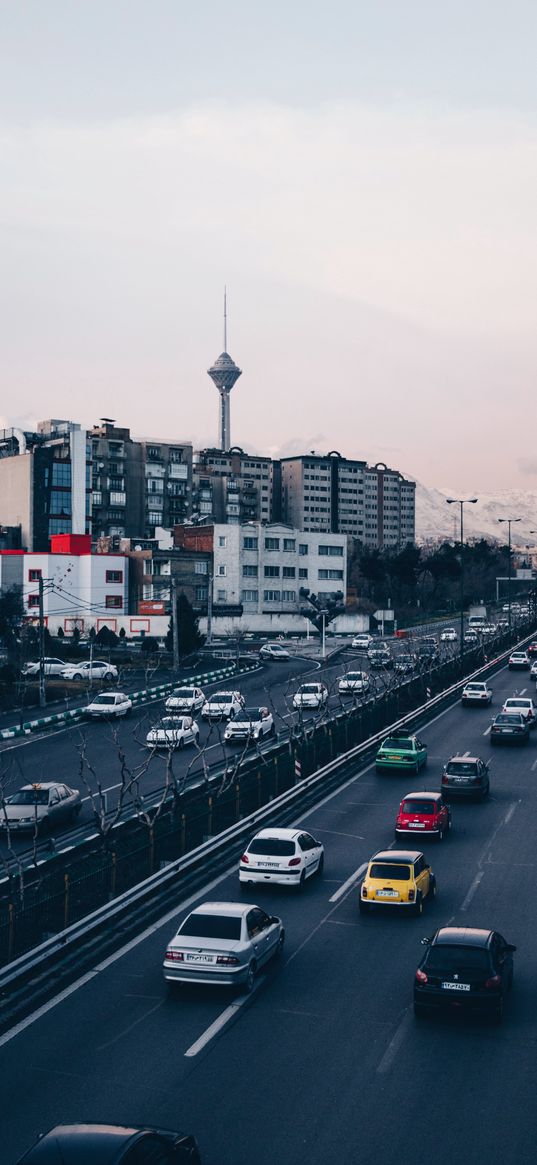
(324,1062)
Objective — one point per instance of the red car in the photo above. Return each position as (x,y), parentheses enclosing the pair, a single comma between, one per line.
(532,649)
(425,813)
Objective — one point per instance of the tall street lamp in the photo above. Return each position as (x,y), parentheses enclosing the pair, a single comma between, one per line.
(462,502)
(509,524)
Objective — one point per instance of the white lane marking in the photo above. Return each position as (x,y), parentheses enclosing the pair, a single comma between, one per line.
(467,753)
(511,810)
(487,730)
(336,833)
(534,766)
(220,1022)
(350,882)
(394,1044)
(484,854)
(472,890)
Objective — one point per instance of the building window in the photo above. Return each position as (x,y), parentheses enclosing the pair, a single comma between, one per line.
(250,543)
(222,570)
(34,575)
(250,571)
(222,540)
(154,517)
(272,572)
(302,548)
(202,594)
(325,574)
(289,572)
(288,596)
(331,551)
(96,498)
(289,544)
(114,576)
(221,596)
(250,596)
(113,602)
(61,473)
(272,543)
(201,568)
(272,596)
(303,572)
(33,600)
(153,451)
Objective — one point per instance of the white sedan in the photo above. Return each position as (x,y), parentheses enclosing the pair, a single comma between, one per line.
(362,642)
(98,669)
(310,696)
(284,856)
(524,705)
(113,704)
(51,667)
(222,706)
(173,732)
(185,700)
(250,724)
(448,635)
(223,943)
(274,651)
(354,683)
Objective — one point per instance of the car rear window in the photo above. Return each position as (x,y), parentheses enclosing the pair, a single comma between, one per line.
(391,870)
(475,688)
(400,744)
(462,767)
(308,689)
(183,694)
(212,926)
(104,700)
(517,703)
(427,807)
(508,718)
(277,847)
(457,958)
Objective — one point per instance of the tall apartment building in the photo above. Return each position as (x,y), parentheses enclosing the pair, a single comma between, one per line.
(232,486)
(45,485)
(137,485)
(390,508)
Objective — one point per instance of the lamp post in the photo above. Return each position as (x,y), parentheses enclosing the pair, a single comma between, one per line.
(509,524)
(462,502)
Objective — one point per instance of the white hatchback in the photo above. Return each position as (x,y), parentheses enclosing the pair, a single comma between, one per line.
(449,635)
(354,683)
(284,856)
(173,732)
(524,705)
(113,704)
(310,696)
(185,700)
(222,706)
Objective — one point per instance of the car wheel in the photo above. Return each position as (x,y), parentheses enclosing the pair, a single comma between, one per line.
(432,888)
(108,677)
(76,676)
(440,835)
(320,867)
(250,978)
(362,906)
(272,729)
(302,881)
(280,944)
(181,743)
(418,909)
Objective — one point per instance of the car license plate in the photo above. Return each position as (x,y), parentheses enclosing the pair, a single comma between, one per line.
(200,958)
(416,825)
(506,731)
(456,986)
(394,756)
(460,780)
(269,865)
(387,894)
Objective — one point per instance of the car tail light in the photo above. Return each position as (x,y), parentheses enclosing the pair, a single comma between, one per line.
(295,861)
(493,982)
(175,956)
(445,779)
(411,895)
(227,960)
(421,976)
(245,859)
(476,780)
(364,892)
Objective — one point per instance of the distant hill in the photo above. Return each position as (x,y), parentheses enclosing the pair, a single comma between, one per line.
(435,520)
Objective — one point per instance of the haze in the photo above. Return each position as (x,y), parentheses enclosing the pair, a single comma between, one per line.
(362,176)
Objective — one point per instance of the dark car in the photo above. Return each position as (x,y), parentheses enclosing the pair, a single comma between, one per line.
(404,664)
(464,968)
(510,728)
(427,654)
(531,649)
(94,1144)
(465,776)
(379,657)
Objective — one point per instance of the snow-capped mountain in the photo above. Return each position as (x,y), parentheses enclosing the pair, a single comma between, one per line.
(435,520)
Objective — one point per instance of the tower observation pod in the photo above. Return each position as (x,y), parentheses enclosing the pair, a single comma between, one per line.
(224,373)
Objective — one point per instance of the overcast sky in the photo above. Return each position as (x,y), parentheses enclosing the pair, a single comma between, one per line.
(362,175)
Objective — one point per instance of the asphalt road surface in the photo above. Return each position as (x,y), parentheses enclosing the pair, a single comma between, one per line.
(324,1063)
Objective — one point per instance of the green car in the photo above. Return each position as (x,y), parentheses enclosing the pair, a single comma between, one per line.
(401,751)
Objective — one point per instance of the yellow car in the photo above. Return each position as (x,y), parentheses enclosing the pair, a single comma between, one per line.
(397,878)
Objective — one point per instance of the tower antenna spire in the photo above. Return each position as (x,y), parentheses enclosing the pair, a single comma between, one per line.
(225,318)
(223,373)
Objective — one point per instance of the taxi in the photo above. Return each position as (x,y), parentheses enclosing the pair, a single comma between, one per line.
(425,813)
(397,878)
(401,750)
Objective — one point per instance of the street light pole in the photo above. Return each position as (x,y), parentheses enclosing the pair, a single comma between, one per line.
(462,502)
(509,524)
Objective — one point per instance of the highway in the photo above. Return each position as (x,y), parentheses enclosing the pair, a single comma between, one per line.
(324,1062)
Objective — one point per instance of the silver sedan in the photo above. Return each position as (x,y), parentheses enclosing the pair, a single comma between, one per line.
(223,943)
(40,807)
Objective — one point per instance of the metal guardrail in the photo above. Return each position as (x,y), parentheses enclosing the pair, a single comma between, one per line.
(35,975)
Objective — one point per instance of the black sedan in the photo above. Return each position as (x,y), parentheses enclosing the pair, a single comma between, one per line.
(464,968)
(510,728)
(112,1145)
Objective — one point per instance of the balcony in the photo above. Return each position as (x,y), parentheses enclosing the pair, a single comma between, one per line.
(177,471)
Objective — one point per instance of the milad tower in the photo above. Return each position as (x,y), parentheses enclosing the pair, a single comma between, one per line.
(224,372)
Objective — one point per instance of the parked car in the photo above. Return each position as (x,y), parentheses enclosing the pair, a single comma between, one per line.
(519,660)
(98,669)
(399,878)
(283,856)
(465,776)
(100,1144)
(464,967)
(362,642)
(477,692)
(222,706)
(354,683)
(401,750)
(250,724)
(173,732)
(224,944)
(524,705)
(274,651)
(448,635)
(310,696)
(112,704)
(189,700)
(424,813)
(510,728)
(51,667)
(40,807)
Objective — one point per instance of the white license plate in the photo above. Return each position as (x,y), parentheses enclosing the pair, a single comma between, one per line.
(507,730)
(416,825)
(200,958)
(456,986)
(269,865)
(387,894)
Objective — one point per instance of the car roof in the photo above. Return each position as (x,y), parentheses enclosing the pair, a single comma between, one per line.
(78,1144)
(281,834)
(518,699)
(220,695)
(463,759)
(466,936)
(226,909)
(420,796)
(42,785)
(398,857)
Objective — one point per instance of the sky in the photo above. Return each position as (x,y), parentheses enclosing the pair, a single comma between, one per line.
(361,175)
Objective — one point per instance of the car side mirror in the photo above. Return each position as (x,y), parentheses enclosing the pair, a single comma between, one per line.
(510,948)
(274,918)
(425,942)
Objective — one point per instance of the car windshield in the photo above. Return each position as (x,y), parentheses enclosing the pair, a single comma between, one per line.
(246,715)
(104,700)
(354,676)
(170,722)
(426,807)
(183,694)
(277,847)
(475,688)
(309,689)
(28,797)
(518,655)
(221,698)
(445,958)
(464,767)
(401,745)
(212,926)
(391,870)
(517,703)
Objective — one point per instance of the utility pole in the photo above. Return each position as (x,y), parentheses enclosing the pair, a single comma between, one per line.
(509,568)
(462,502)
(42,691)
(175,624)
(210,609)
